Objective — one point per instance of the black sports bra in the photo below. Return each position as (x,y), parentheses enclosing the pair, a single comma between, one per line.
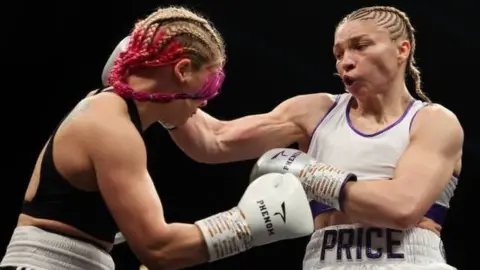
(56,199)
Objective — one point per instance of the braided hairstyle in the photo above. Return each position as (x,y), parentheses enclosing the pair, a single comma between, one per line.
(165,37)
(398,25)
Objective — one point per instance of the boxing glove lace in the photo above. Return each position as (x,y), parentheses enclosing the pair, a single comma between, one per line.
(322,183)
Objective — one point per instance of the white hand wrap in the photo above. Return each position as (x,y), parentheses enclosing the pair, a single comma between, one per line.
(226,234)
(324,183)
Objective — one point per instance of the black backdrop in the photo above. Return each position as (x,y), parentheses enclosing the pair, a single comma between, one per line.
(54,53)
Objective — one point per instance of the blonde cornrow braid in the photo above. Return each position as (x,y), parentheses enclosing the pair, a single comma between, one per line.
(164,16)
(178,29)
(398,25)
(170,13)
(165,36)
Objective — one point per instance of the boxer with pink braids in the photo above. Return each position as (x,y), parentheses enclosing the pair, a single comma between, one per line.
(164,47)
(91,180)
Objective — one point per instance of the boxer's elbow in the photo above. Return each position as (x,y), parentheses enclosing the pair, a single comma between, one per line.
(404,219)
(159,260)
(404,215)
(179,246)
(155,260)
(152,253)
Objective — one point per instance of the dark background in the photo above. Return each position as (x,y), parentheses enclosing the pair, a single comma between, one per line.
(53,54)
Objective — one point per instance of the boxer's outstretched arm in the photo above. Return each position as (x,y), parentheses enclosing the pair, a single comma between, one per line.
(421,174)
(119,157)
(209,140)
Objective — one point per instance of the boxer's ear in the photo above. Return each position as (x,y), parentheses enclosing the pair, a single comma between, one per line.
(403,50)
(183,70)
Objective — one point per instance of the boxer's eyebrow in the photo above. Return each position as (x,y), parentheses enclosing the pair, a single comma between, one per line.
(352,39)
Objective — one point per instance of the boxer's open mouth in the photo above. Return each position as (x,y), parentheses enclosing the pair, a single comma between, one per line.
(348,81)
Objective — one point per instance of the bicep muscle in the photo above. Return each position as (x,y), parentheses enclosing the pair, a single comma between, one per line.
(119,158)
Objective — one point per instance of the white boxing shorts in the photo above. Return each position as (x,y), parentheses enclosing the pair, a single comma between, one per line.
(34,248)
(361,247)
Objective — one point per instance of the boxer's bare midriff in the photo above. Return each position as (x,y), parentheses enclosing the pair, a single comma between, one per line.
(332,218)
(25,220)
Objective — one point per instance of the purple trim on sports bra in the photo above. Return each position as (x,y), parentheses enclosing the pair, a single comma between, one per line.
(347,112)
(415,115)
(323,118)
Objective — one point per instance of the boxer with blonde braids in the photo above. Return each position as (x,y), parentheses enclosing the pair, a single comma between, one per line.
(392,159)
(92,174)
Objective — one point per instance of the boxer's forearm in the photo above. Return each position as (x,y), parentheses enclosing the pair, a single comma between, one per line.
(197,138)
(208,140)
(183,246)
(379,203)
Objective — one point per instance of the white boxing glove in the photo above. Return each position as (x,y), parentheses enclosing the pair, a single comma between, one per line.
(322,183)
(121,47)
(273,208)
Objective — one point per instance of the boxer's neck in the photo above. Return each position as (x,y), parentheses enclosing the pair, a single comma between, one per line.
(381,106)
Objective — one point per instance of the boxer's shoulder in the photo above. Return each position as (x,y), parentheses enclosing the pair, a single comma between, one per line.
(436,109)
(435,115)
(106,120)
(309,108)
(115,142)
(310,104)
(324,100)
(438,127)
(105,108)
(106,101)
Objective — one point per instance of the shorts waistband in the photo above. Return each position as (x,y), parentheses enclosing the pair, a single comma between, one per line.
(76,237)
(32,247)
(359,244)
